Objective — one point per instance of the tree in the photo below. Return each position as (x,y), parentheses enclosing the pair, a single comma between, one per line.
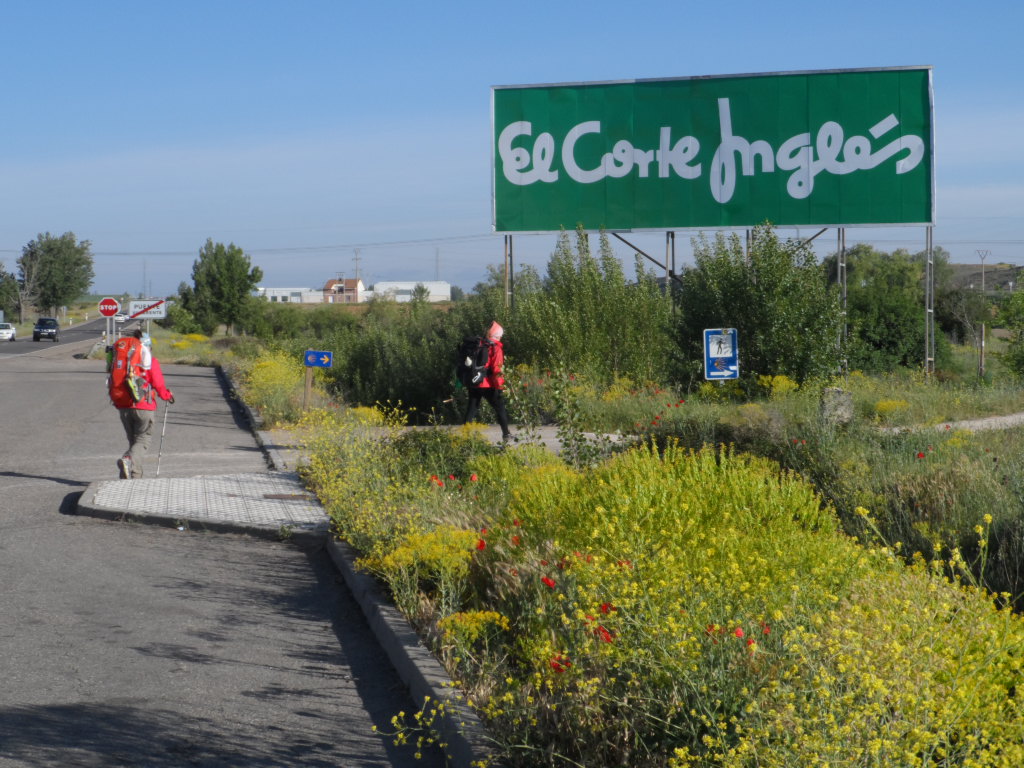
(8,293)
(53,272)
(776,297)
(223,282)
(587,318)
(885,308)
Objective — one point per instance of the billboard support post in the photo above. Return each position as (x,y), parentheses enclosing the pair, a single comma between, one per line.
(929,304)
(646,255)
(841,279)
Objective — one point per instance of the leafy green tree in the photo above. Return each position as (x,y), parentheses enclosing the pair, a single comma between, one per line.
(420,293)
(53,271)
(1011,316)
(586,317)
(885,309)
(8,293)
(223,281)
(776,297)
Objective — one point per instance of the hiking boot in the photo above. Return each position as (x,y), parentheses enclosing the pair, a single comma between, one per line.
(124,466)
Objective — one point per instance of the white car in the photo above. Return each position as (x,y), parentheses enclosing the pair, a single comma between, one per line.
(121,317)
(8,332)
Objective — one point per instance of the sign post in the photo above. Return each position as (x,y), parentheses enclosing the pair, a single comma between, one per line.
(721,354)
(314,359)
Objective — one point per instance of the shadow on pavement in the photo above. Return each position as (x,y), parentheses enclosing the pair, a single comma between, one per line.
(60,480)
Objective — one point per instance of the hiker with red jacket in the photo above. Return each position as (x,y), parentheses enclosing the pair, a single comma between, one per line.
(491,386)
(138,415)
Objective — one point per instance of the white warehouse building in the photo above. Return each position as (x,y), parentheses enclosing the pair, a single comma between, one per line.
(401,291)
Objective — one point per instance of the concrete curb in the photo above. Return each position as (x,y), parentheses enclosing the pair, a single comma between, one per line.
(463,735)
(275,459)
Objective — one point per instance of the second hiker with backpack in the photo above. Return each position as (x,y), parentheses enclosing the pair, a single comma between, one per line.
(479,368)
(135,380)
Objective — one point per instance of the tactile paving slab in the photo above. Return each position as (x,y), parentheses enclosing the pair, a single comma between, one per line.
(265,501)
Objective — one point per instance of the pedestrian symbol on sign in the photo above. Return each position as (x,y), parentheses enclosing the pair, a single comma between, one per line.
(721,354)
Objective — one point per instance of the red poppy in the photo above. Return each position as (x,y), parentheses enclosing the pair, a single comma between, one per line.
(604,634)
(548,582)
(560,663)
(738,632)
(607,607)
(451,477)
(515,541)
(481,544)
(473,478)
(515,522)
(920,454)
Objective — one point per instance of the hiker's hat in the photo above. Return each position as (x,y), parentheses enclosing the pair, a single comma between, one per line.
(495,332)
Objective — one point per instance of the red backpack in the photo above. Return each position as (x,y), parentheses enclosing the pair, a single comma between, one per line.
(126,383)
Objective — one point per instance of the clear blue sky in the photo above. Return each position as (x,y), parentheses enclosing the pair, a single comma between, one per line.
(303,130)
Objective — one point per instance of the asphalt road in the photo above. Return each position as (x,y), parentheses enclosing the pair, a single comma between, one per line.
(73,334)
(132,645)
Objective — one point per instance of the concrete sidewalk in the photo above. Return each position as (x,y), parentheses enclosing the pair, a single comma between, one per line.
(276,504)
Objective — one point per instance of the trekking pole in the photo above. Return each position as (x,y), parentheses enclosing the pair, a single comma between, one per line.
(160,453)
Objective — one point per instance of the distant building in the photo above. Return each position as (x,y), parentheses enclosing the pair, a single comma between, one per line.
(437,290)
(344,291)
(352,291)
(291,295)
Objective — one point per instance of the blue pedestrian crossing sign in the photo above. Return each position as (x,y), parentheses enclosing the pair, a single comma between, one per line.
(318,359)
(721,354)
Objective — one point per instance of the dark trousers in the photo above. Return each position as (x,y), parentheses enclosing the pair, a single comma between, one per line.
(492,396)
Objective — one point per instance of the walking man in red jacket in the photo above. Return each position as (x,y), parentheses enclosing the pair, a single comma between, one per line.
(139,418)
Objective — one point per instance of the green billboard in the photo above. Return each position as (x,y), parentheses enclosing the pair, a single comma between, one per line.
(836,148)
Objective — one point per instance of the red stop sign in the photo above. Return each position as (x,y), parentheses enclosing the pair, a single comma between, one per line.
(109,307)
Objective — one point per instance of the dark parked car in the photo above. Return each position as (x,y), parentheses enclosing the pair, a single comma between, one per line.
(46,328)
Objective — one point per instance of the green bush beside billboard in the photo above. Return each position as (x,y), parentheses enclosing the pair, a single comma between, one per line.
(839,148)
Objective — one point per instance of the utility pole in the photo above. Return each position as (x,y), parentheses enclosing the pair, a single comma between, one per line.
(981,347)
(357,259)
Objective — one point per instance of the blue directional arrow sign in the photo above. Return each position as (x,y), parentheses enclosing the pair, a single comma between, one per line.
(721,354)
(318,359)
